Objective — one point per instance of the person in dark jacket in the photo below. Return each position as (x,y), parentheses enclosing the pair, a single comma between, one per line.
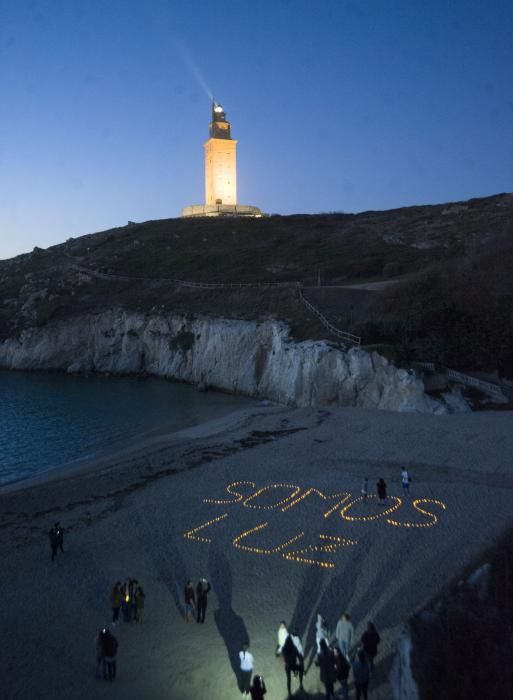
(109,647)
(202,590)
(293,661)
(370,640)
(56,539)
(116,598)
(361,675)
(327,669)
(99,652)
(190,601)
(258,689)
(382,491)
(133,604)
(343,668)
(139,598)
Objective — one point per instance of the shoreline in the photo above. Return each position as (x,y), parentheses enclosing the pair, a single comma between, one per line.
(112,454)
(196,412)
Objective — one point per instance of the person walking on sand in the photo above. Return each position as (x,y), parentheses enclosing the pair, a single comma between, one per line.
(328,669)
(405,479)
(116,598)
(370,641)
(202,590)
(283,633)
(344,633)
(365,489)
(139,598)
(258,689)
(321,632)
(293,663)
(109,646)
(190,601)
(361,675)
(300,661)
(246,670)
(382,491)
(56,535)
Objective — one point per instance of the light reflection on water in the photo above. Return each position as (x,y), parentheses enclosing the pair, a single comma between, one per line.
(47,420)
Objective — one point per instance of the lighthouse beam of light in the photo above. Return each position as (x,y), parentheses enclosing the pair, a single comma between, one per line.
(193,68)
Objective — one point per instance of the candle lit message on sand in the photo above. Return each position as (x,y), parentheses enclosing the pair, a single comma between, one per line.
(285,498)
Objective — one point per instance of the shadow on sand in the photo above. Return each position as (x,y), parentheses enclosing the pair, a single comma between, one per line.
(171,569)
(231,626)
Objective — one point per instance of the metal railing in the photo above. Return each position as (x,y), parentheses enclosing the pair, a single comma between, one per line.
(486,387)
(343,335)
(184,283)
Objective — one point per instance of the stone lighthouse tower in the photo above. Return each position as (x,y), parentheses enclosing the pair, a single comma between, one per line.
(220,161)
(220,172)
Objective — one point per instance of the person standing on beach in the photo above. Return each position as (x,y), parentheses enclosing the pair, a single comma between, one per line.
(343,668)
(344,633)
(133,605)
(361,675)
(370,641)
(382,491)
(246,670)
(190,601)
(258,689)
(405,478)
(116,598)
(109,646)
(202,590)
(139,598)
(327,669)
(365,489)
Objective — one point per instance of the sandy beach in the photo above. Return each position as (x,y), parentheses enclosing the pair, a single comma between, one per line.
(266,504)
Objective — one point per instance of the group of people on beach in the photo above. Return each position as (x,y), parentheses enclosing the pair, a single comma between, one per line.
(128,598)
(381,487)
(335,659)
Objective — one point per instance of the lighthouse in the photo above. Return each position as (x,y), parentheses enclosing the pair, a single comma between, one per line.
(220,161)
(220,172)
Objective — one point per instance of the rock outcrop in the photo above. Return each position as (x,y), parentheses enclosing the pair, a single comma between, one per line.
(241,357)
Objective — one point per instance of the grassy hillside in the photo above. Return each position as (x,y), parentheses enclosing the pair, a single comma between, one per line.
(455,262)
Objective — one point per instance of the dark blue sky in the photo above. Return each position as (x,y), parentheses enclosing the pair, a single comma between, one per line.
(337,106)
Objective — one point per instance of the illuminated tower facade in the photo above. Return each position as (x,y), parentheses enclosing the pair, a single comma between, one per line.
(220,173)
(220,161)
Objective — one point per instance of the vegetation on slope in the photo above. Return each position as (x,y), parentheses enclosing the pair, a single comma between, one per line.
(454,261)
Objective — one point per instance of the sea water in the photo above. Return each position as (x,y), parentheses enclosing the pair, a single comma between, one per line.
(48,420)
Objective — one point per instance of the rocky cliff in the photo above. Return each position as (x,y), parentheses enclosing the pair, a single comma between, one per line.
(242,357)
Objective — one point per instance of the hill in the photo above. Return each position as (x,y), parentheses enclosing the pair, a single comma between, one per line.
(450,300)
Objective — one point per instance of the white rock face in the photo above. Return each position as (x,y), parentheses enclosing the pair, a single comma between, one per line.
(241,357)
